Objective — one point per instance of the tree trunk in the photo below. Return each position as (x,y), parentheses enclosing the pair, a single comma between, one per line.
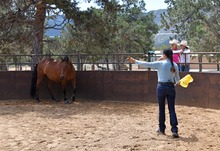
(38,34)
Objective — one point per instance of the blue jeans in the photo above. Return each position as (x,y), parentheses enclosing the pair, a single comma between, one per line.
(179,68)
(184,68)
(167,91)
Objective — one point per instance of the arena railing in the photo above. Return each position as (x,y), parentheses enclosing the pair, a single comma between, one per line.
(200,61)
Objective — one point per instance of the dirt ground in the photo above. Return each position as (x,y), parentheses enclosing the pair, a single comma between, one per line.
(103,126)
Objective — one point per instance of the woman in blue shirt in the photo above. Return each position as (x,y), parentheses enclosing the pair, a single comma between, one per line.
(168,75)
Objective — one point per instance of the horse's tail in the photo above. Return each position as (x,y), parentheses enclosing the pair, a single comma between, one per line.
(33,82)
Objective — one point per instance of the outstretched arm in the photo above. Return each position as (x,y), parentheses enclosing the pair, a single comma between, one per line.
(154,64)
(161,58)
(131,60)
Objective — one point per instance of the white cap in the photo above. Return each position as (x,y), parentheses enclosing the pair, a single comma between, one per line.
(174,41)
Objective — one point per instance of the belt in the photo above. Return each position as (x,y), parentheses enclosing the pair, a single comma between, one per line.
(166,83)
(185,65)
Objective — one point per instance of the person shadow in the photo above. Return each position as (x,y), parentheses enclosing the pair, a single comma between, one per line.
(192,138)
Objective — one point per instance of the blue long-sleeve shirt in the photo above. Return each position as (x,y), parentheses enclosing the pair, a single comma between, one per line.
(163,70)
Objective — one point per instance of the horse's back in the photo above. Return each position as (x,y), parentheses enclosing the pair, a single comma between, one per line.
(41,66)
(49,67)
(52,69)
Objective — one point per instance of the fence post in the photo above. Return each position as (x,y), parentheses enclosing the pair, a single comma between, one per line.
(130,66)
(149,54)
(78,61)
(106,60)
(200,62)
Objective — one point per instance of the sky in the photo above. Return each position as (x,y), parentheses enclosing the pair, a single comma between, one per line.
(150,5)
(155,4)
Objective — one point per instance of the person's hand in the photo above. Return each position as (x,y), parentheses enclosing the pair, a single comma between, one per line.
(177,83)
(131,60)
(161,58)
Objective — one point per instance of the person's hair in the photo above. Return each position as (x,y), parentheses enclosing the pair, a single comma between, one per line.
(169,54)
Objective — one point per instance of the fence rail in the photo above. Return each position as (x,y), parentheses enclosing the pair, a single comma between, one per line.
(200,61)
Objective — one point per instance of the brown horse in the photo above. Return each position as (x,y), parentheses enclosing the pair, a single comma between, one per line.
(61,71)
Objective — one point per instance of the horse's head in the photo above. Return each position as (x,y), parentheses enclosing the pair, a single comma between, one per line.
(65,67)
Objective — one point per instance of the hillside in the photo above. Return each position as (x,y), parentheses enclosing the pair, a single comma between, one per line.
(162,38)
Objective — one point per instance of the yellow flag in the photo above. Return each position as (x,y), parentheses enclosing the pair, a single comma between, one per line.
(184,82)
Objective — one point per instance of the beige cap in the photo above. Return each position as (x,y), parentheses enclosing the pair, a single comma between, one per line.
(184,43)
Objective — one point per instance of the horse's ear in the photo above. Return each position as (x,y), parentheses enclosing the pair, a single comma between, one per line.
(66,58)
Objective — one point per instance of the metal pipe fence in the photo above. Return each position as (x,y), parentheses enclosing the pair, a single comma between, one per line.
(200,61)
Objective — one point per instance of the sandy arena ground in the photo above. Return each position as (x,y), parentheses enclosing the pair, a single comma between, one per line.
(103,126)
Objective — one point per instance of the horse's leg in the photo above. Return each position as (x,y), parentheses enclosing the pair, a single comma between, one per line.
(63,83)
(39,79)
(73,97)
(49,83)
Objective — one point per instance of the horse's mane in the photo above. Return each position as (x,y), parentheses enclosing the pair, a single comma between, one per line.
(65,59)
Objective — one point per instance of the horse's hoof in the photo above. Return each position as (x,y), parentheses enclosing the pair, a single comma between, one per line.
(53,99)
(38,101)
(73,98)
(66,102)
